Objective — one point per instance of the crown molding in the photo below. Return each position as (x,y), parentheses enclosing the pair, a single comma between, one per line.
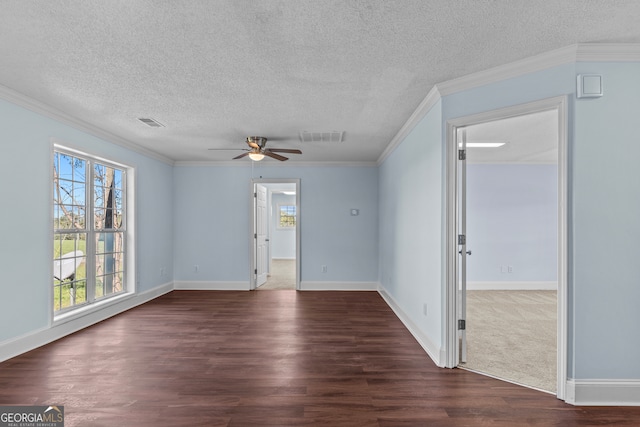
(532,64)
(608,52)
(38,107)
(432,98)
(260,166)
(583,52)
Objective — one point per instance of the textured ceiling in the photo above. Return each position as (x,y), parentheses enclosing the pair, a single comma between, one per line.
(214,72)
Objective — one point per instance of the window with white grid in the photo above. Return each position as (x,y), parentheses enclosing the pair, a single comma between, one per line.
(286,216)
(89,230)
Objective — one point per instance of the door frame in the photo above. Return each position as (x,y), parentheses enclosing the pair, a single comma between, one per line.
(252,219)
(558,104)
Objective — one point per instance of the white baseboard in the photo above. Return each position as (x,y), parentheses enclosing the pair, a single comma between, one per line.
(67,326)
(603,392)
(512,286)
(338,286)
(433,351)
(210,286)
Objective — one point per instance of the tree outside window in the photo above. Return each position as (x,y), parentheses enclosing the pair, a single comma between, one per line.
(286,216)
(88,230)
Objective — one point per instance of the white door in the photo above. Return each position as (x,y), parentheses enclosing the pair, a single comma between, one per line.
(261,235)
(462,243)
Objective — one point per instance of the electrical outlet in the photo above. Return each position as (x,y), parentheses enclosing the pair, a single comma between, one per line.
(196,268)
(503,269)
(162,271)
(324,268)
(424,308)
(510,269)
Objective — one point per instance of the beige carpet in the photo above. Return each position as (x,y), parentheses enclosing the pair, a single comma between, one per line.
(282,276)
(512,335)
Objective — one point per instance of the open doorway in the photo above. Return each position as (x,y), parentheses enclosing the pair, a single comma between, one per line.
(276,238)
(509,291)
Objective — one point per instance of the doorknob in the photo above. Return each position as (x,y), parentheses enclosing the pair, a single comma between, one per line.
(468,252)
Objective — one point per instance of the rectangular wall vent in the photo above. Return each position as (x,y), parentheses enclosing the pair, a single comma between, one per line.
(333,136)
(151,122)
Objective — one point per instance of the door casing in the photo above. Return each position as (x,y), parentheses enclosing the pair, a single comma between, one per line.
(558,104)
(261,225)
(252,240)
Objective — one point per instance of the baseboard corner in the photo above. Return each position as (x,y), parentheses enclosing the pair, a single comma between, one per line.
(62,328)
(338,286)
(435,352)
(600,392)
(203,285)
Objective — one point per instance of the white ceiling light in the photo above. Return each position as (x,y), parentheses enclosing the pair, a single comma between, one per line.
(484,144)
(256,157)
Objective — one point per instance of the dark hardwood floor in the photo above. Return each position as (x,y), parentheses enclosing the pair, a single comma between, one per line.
(277,358)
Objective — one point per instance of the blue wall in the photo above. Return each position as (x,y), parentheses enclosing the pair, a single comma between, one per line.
(283,240)
(212,221)
(411,222)
(25,226)
(604,209)
(512,220)
(606,225)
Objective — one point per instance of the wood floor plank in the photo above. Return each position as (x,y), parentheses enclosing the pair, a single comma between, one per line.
(276,358)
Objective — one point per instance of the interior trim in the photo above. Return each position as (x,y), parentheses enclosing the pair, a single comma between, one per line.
(619,392)
(253,218)
(432,98)
(433,351)
(55,114)
(584,52)
(558,103)
(338,286)
(512,286)
(66,327)
(205,285)
(289,163)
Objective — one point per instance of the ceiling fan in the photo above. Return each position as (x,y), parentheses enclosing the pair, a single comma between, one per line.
(257,150)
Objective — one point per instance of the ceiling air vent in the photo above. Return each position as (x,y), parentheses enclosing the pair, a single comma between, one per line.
(333,136)
(151,122)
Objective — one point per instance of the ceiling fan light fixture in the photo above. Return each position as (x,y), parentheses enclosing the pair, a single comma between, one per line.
(256,157)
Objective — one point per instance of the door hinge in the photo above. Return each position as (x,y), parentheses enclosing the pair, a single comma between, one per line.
(255,236)
(462,239)
(462,154)
(255,194)
(462,324)
(255,271)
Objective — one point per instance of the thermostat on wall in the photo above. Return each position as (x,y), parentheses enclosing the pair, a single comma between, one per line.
(355,212)
(589,86)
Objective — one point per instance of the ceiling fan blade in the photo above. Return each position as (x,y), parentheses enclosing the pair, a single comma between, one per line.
(283,150)
(280,138)
(241,156)
(275,156)
(226,149)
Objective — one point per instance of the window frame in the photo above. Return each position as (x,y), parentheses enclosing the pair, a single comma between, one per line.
(279,217)
(92,232)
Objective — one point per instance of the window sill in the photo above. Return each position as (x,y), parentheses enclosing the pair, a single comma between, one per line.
(91,308)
